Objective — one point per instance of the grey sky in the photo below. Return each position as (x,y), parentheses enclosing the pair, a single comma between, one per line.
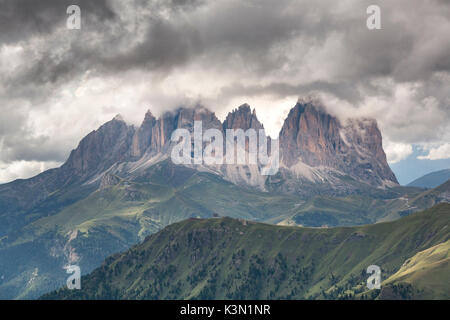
(56,85)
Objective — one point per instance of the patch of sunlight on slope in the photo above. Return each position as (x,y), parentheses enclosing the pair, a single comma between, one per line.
(428,270)
(101,207)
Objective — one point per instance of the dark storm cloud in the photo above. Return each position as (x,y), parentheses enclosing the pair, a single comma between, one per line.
(17,140)
(28,148)
(104,48)
(164,47)
(281,89)
(249,30)
(21,19)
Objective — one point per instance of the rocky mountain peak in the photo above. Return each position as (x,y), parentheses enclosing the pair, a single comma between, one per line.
(187,116)
(148,115)
(310,135)
(242,118)
(101,148)
(143,136)
(313,137)
(118,117)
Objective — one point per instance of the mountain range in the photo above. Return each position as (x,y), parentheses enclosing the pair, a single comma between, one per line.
(119,185)
(431,180)
(319,155)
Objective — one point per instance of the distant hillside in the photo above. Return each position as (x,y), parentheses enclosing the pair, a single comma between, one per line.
(235,259)
(431,180)
(431,197)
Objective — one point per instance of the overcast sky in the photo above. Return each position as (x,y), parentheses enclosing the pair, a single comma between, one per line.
(57,85)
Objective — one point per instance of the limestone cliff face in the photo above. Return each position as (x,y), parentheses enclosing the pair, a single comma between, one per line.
(309,135)
(161,131)
(315,138)
(142,139)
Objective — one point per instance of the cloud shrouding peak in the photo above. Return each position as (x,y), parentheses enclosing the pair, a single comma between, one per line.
(56,84)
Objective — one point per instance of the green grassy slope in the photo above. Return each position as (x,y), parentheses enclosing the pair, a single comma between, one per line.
(424,276)
(227,258)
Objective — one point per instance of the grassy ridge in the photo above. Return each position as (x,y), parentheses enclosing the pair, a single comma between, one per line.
(227,258)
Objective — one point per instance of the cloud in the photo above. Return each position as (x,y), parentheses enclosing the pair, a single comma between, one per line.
(326,41)
(24,169)
(397,151)
(437,153)
(22,19)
